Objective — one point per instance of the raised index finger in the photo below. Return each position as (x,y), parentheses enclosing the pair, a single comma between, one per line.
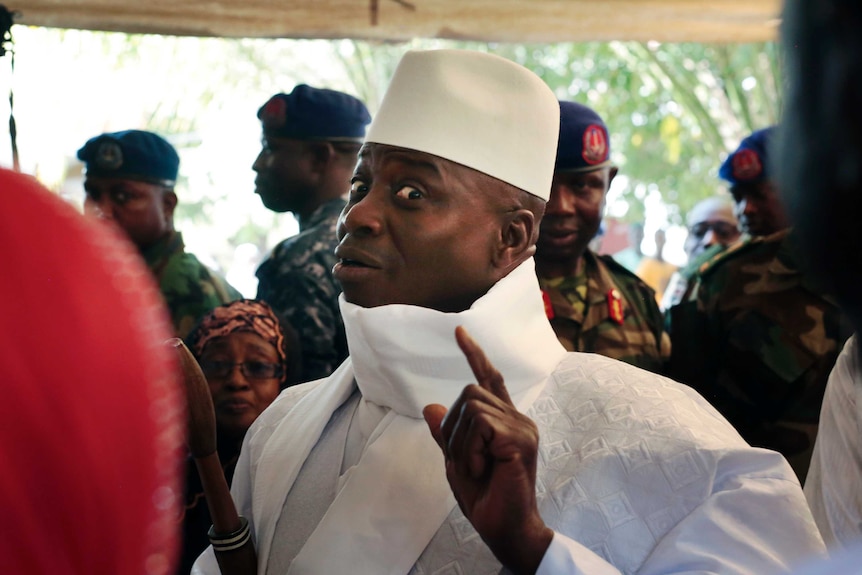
(486,374)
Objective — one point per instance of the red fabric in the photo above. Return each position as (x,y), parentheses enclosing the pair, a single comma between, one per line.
(93,417)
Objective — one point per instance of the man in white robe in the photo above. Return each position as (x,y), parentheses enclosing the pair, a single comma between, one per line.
(555,462)
(834,483)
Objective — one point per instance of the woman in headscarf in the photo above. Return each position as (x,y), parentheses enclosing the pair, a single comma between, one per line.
(93,414)
(248,355)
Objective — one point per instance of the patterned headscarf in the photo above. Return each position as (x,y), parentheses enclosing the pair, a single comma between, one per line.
(242,315)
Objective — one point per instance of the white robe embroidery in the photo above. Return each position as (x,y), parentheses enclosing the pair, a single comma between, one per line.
(834,479)
(637,474)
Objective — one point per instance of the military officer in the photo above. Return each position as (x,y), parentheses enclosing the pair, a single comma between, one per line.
(310,140)
(594,304)
(759,335)
(130,182)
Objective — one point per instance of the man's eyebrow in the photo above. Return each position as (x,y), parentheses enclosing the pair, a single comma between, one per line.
(404,158)
(413,162)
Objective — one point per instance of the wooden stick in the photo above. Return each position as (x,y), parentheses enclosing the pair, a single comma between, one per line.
(202,444)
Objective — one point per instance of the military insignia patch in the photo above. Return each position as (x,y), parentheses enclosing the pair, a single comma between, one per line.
(595,145)
(746,165)
(615,307)
(109,155)
(274,114)
(549,307)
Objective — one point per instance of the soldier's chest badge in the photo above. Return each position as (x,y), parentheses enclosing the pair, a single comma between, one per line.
(615,307)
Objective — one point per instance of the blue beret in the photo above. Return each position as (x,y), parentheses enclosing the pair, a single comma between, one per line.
(584,144)
(133,155)
(314,114)
(749,163)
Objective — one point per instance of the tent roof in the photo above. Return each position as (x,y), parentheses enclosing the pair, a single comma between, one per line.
(486,20)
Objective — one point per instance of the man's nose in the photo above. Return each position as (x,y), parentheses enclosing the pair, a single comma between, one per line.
(561,201)
(260,161)
(363,217)
(709,238)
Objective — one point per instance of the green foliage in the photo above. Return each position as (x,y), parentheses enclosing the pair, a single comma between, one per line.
(674,111)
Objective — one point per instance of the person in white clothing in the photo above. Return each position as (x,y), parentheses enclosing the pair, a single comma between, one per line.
(552,462)
(834,483)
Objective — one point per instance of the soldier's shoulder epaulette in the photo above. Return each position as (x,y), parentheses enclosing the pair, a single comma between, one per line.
(760,247)
(731,253)
(692,267)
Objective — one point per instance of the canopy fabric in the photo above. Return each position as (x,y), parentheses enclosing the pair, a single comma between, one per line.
(541,21)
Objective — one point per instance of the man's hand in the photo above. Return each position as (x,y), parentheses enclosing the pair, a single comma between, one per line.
(490,450)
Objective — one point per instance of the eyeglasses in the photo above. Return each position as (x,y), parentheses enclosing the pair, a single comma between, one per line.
(250,369)
(722,230)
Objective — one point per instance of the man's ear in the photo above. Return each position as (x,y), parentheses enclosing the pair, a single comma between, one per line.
(612,173)
(169,202)
(517,242)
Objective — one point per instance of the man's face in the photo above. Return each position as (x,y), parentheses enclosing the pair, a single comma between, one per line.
(418,230)
(144,211)
(573,214)
(285,179)
(711,226)
(759,208)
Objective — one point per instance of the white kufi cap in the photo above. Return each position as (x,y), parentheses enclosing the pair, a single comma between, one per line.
(475,109)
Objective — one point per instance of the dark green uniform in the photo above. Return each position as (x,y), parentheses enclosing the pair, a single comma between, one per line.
(189,288)
(610,311)
(680,286)
(758,339)
(297,281)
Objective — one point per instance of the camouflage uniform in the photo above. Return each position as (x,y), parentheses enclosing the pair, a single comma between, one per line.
(758,339)
(296,280)
(682,282)
(190,288)
(582,316)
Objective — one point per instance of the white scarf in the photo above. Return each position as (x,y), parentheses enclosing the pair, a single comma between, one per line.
(402,357)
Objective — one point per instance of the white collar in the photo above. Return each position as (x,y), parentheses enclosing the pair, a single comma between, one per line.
(406,357)
(403,357)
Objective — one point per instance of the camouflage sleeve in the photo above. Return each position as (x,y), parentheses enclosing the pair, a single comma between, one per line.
(191,289)
(642,297)
(307,297)
(692,350)
(692,323)
(622,319)
(758,344)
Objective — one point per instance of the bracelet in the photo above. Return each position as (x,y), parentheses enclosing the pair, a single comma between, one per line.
(230,541)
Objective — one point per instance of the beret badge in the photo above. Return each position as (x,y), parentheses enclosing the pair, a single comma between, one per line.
(746,165)
(109,155)
(595,148)
(274,113)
